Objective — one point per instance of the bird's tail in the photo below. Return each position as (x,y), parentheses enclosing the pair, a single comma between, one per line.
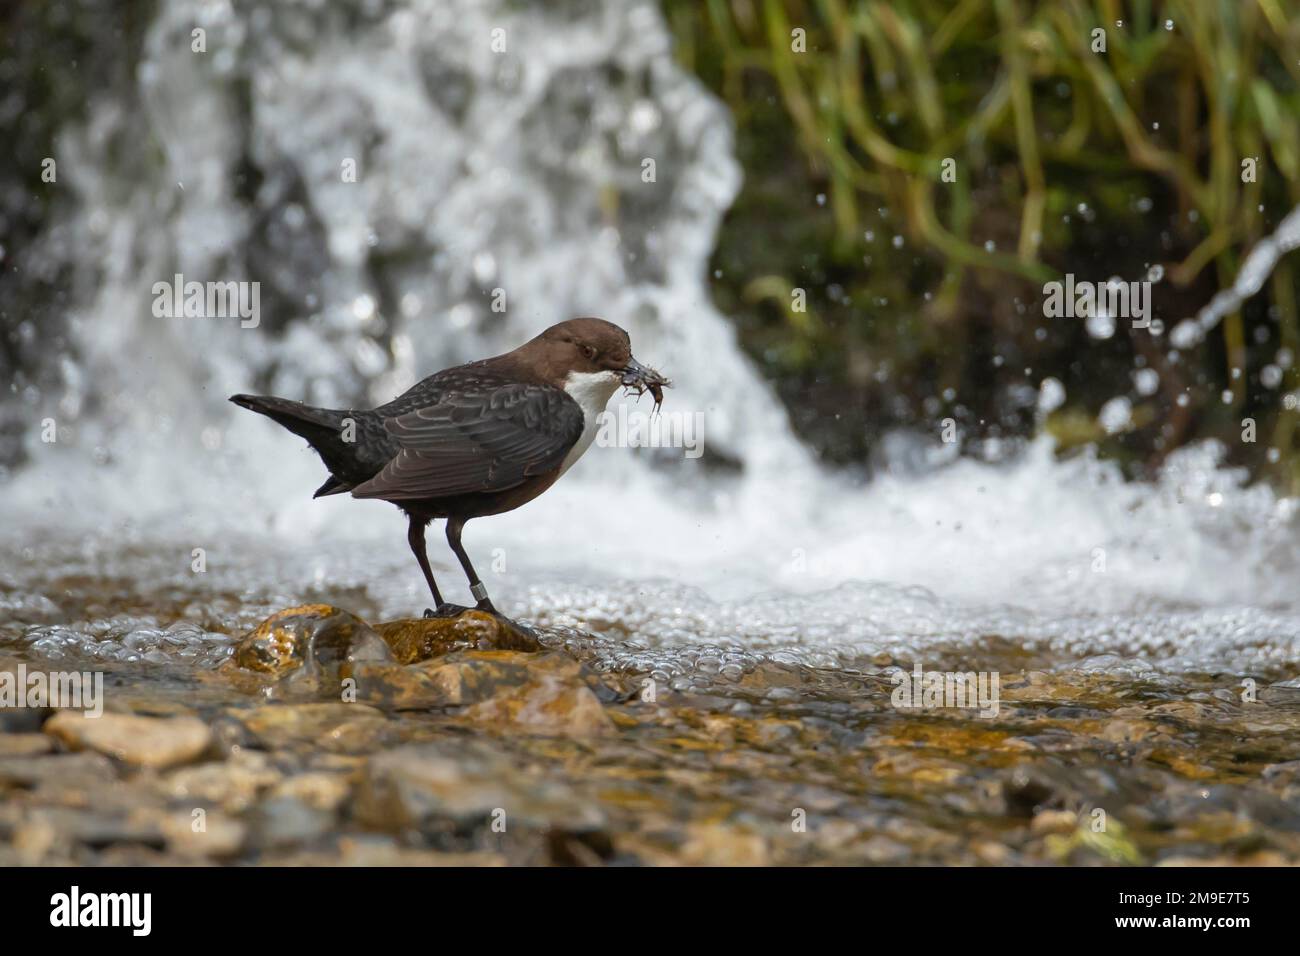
(320,426)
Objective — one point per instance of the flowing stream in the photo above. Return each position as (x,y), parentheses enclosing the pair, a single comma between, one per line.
(483,175)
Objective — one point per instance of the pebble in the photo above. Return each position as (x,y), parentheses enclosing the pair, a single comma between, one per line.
(156,742)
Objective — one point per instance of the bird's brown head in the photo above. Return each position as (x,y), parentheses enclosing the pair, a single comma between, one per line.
(594,352)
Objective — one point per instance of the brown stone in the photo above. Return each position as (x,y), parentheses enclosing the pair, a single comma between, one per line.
(553,702)
(317,637)
(419,639)
(336,727)
(141,741)
(462,677)
(24,745)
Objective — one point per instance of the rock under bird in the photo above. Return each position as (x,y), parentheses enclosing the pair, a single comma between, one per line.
(478,439)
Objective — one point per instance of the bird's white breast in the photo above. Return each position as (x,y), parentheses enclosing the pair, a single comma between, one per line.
(591,390)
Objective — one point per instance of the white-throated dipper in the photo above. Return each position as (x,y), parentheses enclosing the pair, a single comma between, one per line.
(477,439)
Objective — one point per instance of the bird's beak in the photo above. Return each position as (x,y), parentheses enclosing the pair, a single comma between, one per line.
(638,376)
(642,379)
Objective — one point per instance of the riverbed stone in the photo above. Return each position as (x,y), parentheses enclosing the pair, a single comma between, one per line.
(320,790)
(67,771)
(467,782)
(315,638)
(335,726)
(213,835)
(553,701)
(233,785)
(155,742)
(461,677)
(283,822)
(24,745)
(711,844)
(420,639)
(547,708)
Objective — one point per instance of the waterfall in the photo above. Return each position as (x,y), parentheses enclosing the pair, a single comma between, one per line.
(500,152)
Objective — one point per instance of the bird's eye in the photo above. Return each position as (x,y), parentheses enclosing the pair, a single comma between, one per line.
(589,351)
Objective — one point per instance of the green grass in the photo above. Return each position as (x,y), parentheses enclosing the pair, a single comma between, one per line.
(924,296)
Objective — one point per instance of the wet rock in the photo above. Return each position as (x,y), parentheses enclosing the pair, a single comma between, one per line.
(93,826)
(322,791)
(230,736)
(62,770)
(554,701)
(1131,731)
(586,848)
(1288,770)
(214,835)
(22,720)
(1237,803)
(315,640)
(155,742)
(19,720)
(232,785)
(377,850)
(419,639)
(335,727)
(883,850)
(24,745)
(406,786)
(545,695)
(462,677)
(283,822)
(418,686)
(1054,821)
(465,783)
(710,844)
(1028,790)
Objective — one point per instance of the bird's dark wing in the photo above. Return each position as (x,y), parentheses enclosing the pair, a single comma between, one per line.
(486,437)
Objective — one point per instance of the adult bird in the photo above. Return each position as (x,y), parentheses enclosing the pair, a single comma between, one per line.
(474,440)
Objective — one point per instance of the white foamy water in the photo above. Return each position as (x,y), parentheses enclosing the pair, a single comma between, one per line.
(521,171)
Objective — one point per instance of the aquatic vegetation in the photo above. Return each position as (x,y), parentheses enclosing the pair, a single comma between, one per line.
(921,169)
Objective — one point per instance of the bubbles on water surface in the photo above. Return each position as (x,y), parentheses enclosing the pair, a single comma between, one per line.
(696,574)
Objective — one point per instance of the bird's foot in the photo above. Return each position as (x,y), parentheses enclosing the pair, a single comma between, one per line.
(487,607)
(446,610)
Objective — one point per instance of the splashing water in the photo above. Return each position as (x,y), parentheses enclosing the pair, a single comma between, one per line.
(1255,270)
(520,173)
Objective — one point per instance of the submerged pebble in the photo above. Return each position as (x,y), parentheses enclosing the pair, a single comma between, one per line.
(325,739)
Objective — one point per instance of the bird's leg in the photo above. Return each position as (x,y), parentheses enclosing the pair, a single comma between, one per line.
(415,538)
(476,588)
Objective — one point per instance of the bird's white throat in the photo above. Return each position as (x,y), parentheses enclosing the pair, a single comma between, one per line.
(592,391)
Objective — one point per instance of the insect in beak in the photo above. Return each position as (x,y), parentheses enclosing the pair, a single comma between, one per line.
(640,379)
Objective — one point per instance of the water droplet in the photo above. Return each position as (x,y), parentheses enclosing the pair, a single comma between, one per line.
(1100,325)
(1116,414)
(1051,395)
(363,307)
